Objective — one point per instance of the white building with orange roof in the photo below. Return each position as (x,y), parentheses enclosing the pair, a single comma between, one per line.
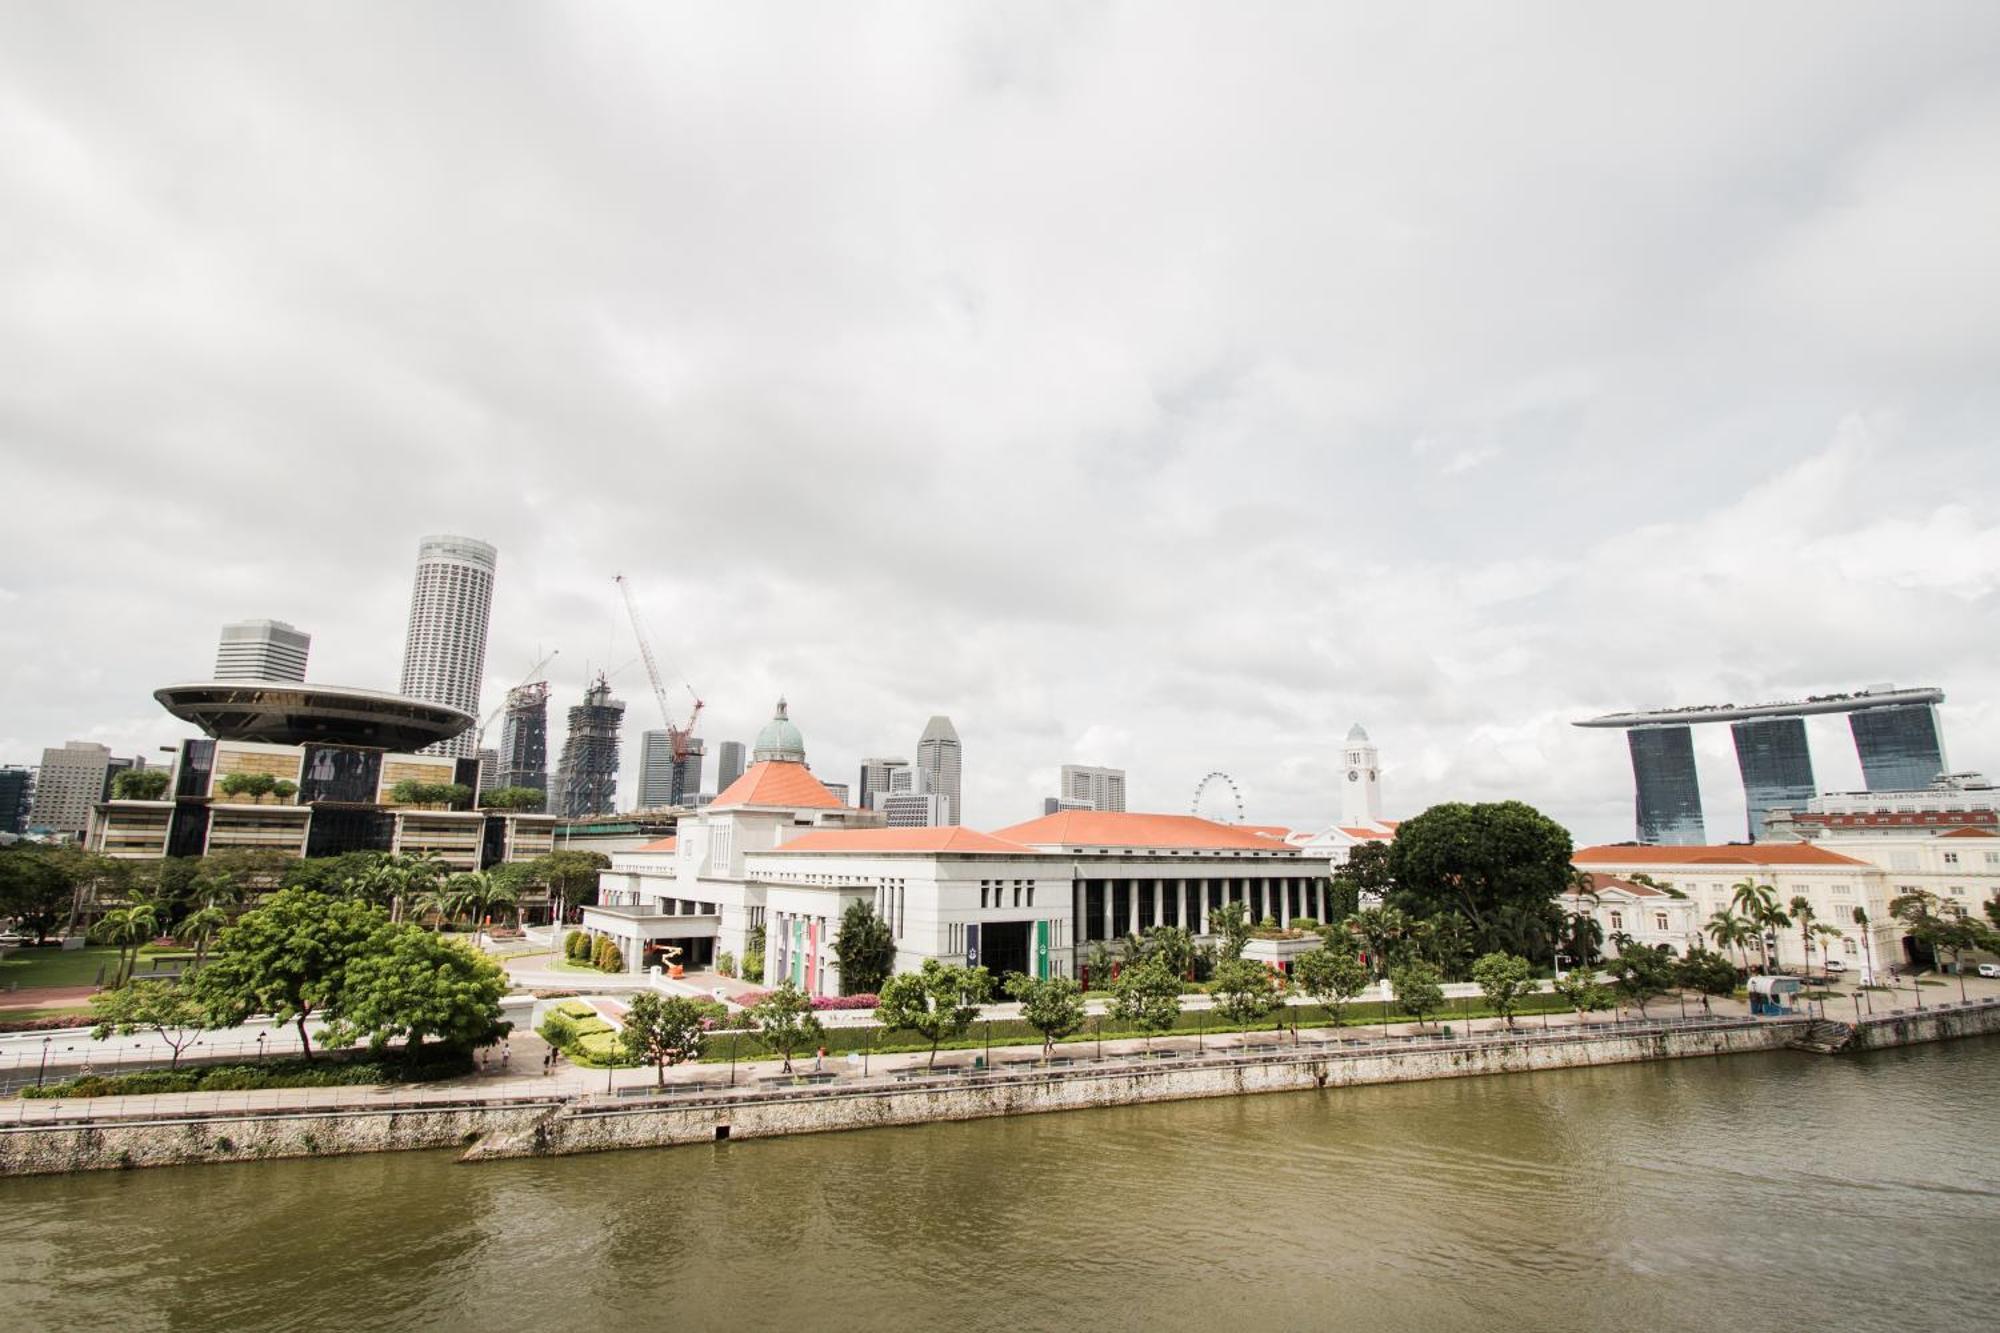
(777,851)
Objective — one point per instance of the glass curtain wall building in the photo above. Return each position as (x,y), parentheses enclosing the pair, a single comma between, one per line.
(1900,747)
(1777,767)
(1668,804)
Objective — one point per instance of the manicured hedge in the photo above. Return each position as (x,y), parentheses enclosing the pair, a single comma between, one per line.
(322,1073)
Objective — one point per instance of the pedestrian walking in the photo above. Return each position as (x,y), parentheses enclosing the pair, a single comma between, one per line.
(819,1059)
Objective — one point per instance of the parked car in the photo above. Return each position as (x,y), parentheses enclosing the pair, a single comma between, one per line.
(1989,969)
(1836,965)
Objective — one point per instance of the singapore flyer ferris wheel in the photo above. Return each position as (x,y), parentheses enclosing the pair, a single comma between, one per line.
(1232,812)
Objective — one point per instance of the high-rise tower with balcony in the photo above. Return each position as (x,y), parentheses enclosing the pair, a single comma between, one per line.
(444,653)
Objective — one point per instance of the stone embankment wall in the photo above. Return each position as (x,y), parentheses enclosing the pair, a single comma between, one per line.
(500,1130)
(601,1128)
(100,1145)
(1916,1026)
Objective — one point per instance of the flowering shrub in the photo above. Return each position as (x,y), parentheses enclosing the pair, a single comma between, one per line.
(751,997)
(846,1002)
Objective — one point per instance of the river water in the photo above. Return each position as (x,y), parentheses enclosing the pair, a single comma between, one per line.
(1782,1191)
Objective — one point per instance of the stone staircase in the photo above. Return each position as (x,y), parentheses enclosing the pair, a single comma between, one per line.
(1823,1037)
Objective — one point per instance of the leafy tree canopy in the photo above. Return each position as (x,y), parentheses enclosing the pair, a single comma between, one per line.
(865,948)
(1330,974)
(1148,997)
(166,1008)
(664,1030)
(1503,979)
(1244,990)
(785,1020)
(1052,1007)
(938,1002)
(289,958)
(1500,865)
(1419,990)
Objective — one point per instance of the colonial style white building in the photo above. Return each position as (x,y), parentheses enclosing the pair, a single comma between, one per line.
(1834,875)
(776,850)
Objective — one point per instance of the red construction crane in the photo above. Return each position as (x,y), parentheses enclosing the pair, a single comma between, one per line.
(677,737)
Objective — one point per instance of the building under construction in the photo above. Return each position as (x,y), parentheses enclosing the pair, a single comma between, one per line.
(587,778)
(524,740)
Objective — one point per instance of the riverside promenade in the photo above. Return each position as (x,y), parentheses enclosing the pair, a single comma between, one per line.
(504,1114)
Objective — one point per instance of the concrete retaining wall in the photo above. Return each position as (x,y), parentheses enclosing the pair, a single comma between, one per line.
(247,1137)
(605,1128)
(1918,1026)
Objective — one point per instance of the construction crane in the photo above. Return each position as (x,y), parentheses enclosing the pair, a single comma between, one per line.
(677,737)
(479,737)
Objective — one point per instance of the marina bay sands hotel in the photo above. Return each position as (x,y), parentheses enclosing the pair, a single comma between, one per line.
(1895,732)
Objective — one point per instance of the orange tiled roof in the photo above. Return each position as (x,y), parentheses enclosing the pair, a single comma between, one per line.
(1601,882)
(949,838)
(1108,828)
(777,782)
(662,845)
(1366,834)
(1756,854)
(1968,832)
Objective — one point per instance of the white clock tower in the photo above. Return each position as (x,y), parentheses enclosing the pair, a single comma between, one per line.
(1360,781)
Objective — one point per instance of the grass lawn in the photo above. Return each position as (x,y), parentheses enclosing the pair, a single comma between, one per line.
(29,967)
(51,1011)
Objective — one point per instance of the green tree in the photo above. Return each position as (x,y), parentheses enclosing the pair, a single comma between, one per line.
(480,894)
(1174,948)
(1642,972)
(1419,990)
(1706,973)
(1148,997)
(129,927)
(753,955)
(407,983)
(572,878)
(785,1020)
(865,949)
(1758,905)
(139,784)
(1920,912)
(938,1002)
(34,891)
(1499,865)
(1381,932)
(1363,878)
(1728,930)
(664,1030)
(1503,979)
(200,928)
(1231,923)
(1332,975)
(289,958)
(165,1008)
(1051,1006)
(1244,991)
(513,798)
(1580,991)
(284,789)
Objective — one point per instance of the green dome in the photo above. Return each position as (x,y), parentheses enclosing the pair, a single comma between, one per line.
(779,740)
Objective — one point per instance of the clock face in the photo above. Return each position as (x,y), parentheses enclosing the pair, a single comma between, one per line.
(1353,776)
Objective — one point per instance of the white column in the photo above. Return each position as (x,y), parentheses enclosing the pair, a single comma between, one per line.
(1202,886)
(1132,904)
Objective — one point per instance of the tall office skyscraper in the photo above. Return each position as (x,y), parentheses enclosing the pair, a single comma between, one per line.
(875,778)
(938,755)
(444,654)
(663,780)
(524,738)
(71,780)
(587,776)
(261,650)
(1093,788)
(728,764)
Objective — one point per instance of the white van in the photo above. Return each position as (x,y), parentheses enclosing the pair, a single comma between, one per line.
(1836,965)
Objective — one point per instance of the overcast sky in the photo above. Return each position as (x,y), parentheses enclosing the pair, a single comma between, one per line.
(1162,386)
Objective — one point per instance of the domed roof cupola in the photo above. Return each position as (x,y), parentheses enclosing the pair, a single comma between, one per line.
(779,741)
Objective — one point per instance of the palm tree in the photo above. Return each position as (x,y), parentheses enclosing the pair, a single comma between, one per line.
(202,926)
(129,927)
(1728,930)
(1867,952)
(479,893)
(436,901)
(1802,917)
(1757,902)
(1381,931)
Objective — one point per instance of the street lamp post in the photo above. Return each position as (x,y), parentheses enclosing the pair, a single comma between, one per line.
(732,1059)
(45,1061)
(260,1046)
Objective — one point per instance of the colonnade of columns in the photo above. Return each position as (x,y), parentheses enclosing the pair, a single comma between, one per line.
(1188,902)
